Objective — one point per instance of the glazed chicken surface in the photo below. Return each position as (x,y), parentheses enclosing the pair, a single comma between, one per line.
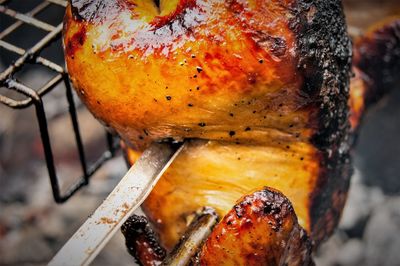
(258,89)
(261,229)
(213,70)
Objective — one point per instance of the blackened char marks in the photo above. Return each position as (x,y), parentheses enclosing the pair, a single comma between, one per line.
(324,51)
(266,202)
(179,14)
(76,42)
(96,11)
(141,241)
(261,229)
(276,45)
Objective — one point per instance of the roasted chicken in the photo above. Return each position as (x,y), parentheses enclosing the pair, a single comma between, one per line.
(260,91)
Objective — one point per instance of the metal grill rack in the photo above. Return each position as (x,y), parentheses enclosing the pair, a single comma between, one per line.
(35,97)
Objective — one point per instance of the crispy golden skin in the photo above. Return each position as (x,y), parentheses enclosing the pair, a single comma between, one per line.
(187,74)
(261,229)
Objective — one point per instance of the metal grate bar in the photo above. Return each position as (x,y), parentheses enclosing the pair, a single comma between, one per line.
(12,48)
(62,3)
(27,19)
(25,103)
(18,23)
(32,52)
(75,124)
(35,97)
(43,61)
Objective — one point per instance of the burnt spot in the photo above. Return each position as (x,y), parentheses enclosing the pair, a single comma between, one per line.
(76,41)
(239,211)
(252,78)
(247,223)
(324,60)
(142,242)
(96,11)
(232,133)
(180,14)
(275,45)
(268,208)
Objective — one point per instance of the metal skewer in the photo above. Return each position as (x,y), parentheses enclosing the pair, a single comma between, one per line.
(127,196)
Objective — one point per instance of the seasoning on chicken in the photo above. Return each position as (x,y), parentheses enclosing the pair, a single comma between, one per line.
(260,87)
(268,81)
(261,229)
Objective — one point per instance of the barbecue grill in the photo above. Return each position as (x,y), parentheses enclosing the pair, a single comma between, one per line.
(25,95)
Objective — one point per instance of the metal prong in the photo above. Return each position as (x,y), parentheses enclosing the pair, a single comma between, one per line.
(189,245)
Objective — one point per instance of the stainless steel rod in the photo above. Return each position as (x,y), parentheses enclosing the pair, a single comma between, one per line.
(127,196)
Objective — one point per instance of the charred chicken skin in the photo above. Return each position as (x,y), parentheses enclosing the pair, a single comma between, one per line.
(261,89)
(261,229)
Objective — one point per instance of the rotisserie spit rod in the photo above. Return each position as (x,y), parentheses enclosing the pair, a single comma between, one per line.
(127,196)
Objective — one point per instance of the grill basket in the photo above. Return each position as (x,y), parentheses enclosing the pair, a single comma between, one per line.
(27,96)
